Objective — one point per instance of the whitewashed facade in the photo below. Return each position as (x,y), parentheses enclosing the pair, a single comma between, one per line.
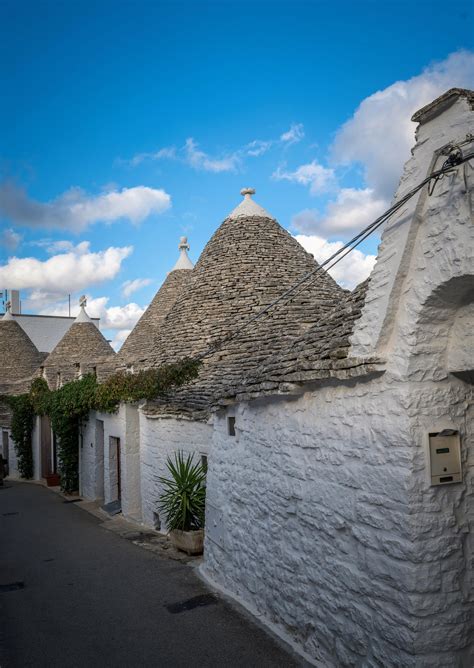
(321,513)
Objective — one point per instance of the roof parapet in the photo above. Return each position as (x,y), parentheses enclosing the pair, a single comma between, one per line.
(442,103)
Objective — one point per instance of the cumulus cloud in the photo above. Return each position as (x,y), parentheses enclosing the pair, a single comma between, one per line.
(129,287)
(350,271)
(66,272)
(380,134)
(352,210)
(75,210)
(294,134)
(10,239)
(314,175)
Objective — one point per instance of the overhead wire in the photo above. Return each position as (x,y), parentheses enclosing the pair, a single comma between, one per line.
(455,158)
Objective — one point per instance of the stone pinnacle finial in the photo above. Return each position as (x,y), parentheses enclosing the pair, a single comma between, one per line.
(183,261)
(83,301)
(8,311)
(183,243)
(83,316)
(247,192)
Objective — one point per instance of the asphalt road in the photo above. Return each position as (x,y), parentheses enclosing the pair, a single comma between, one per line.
(91,598)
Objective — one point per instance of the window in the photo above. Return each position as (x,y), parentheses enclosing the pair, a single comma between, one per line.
(231,426)
(204,462)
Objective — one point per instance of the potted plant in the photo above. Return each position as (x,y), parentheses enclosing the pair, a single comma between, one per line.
(183,502)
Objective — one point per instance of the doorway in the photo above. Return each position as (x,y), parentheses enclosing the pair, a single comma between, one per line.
(116,467)
(46,449)
(5,450)
(99,467)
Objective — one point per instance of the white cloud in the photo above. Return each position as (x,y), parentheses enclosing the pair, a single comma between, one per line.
(350,271)
(352,210)
(66,272)
(202,161)
(168,152)
(61,246)
(380,134)
(75,210)
(129,287)
(198,159)
(257,147)
(312,174)
(294,134)
(119,338)
(10,239)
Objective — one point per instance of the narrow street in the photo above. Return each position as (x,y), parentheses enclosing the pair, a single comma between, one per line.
(73,594)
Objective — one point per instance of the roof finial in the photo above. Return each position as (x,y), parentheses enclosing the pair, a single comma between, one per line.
(183,261)
(8,311)
(183,243)
(83,316)
(247,192)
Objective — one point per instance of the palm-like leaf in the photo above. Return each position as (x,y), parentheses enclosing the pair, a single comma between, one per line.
(183,499)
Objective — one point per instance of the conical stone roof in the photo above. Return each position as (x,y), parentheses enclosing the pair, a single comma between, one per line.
(19,357)
(82,348)
(248,263)
(139,343)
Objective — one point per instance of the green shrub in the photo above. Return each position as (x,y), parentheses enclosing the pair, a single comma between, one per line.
(184,498)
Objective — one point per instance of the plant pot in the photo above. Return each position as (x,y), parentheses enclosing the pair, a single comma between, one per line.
(191,542)
(53,480)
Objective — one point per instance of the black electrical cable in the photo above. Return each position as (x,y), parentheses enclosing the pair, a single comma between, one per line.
(454,160)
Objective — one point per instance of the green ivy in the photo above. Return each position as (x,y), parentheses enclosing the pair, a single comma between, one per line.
(68,409)
(21,429)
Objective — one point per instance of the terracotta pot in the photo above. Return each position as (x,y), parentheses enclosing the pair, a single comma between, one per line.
(53,480)
(191,542)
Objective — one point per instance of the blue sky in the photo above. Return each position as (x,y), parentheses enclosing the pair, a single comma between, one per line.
(126,125)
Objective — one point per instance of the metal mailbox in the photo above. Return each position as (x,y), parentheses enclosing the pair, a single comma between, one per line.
(445,457)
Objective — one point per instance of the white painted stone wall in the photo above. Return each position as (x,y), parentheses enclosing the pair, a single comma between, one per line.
(320,516)
(12,458)
(160,438)
(98,468)
(320,512)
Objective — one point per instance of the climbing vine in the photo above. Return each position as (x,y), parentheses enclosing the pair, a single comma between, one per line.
(21,429)
(68,408)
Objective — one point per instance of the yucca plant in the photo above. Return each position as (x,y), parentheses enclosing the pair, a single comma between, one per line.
(184,497)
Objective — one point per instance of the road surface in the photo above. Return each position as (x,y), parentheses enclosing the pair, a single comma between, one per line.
(75,595)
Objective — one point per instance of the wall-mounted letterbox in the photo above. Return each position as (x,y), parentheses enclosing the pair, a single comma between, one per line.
(445,457)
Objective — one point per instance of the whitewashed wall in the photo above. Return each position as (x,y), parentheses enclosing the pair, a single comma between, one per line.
(320,512)
(320,517)
(12,458)
(98,470)
(161,438)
